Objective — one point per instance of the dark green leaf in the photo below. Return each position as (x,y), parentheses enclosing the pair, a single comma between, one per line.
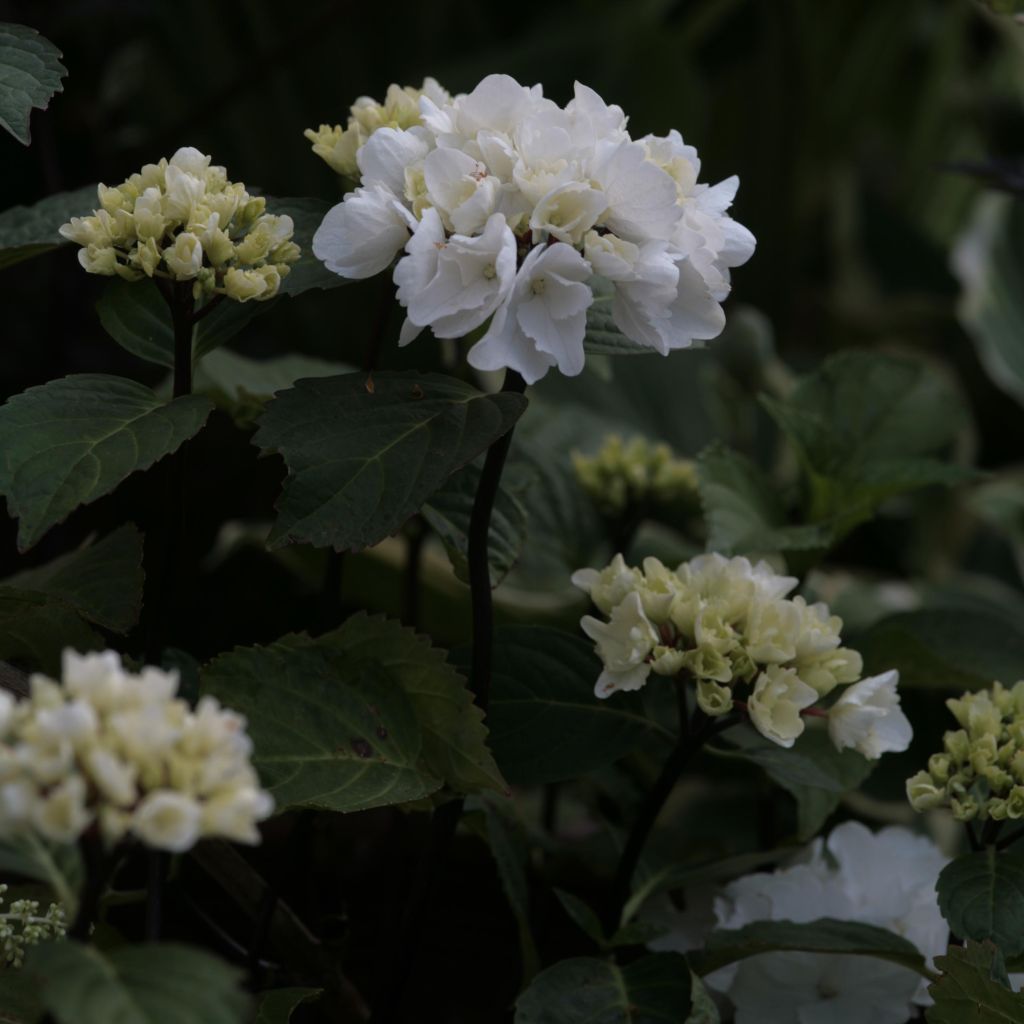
(743,510)
(364,454)
(27,231)
(603,337)
(953,649)
(69,442)
(971,991)
(546,724)
(154,983)
(329,730)
(653,990)
(58,866)
(30,74)
(449,511)
(307,272)
(704,1010)
(981,895)
(19,998)
(583,915)
(822,936)
(102,581)
(35,628)
(277,1006)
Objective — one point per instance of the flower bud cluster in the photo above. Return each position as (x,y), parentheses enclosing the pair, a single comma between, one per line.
(21,925)
(338,146)
(507,206)
(730,626)
(119,751)
(625,474)
(980,771)
(182,219)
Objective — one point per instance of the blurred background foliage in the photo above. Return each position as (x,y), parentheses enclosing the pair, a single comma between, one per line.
(875,142)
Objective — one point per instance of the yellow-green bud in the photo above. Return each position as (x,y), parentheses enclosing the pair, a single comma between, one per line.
(923,793)
(712,698)
(938,767)
(965,809)
(957,745)
(1015,803)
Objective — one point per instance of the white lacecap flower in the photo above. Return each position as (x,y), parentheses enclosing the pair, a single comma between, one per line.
(623,643)
(775,705)
(610,585)
(867,717)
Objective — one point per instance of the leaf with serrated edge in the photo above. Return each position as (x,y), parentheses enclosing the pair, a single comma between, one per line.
(69,442)
(30,75)
(146,984)
(35,628)
(102,581)
(364,453)
(278,1005)
(329,730)
(27,231)
(981,895)
(972,988)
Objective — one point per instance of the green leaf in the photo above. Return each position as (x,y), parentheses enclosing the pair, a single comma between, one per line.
(155,983)
(69,442)
(35,628)
(278,1005)
(981,895)
(812,771)
(973,988)
(704,1010)
(866,426)
(546,724)
(364,453)
(449,511)
(27,231)
(102,581)
(136,316)
(653,990)
(825,935)
(307,272)
(329,730)
(743,510)
(603,337)
(19,998)
(952,648)
(58,866)
(30,75)
(1005,6)
(583,915)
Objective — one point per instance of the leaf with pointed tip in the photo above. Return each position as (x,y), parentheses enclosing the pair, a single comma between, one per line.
(278,1005)
(365,452)
(27,231)
(70,441)
(30,75)
(57,865)
(981,896)
(36,627)
(973,988)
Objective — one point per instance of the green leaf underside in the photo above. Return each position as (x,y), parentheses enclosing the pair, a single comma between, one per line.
(329,731)
(35,628)
(69,442)
(146,984)
(30,74)
(653,990)
(278,1005)
(363,456)
(56,865)
(101,581)
(449,510)
(743,511)
(972,988)
(825,935)
(545,722)
(27,231)
(981,895)
(603,337)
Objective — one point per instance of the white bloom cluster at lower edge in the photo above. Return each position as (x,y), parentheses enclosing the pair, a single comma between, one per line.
(507,205)
(885,879)
(730,626)
(119,751)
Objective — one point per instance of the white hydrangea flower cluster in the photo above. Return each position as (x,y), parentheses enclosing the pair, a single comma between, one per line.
(119,751)
(885,878)
(730,626)
(181,219)
(22,924)
(508,205)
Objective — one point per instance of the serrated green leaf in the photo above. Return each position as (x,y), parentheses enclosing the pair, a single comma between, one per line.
(970,990)
(449,511)
(153,983)
(546,724)
(743,511)
(981,895)
(27,231)
(278,1005)
(69,442)
(102,581)
(35,628)
(364,454)
(653,990)
(57,865)
(944,648)
(30,75)
(825,935)
(329,730)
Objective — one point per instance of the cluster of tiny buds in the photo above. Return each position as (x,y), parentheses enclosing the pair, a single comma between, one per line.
(636,473)
(22,924)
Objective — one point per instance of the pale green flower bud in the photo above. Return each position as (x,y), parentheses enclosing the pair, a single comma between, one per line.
(826,671)
(1017,766)
(147,257)
(338,148)
(98,259)
(984,750)
(667,661)
(775,705)
(184,257)
(965,809)
(999,781)
(149,217)
(658,590)
(249,211)
(218,247)
(995,808)
(272,278)
(713,699)
(923,793)
(113,199)
(707,663)
(1015,803)
(285,253)
(938,766)
(957,745)
(243,285)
